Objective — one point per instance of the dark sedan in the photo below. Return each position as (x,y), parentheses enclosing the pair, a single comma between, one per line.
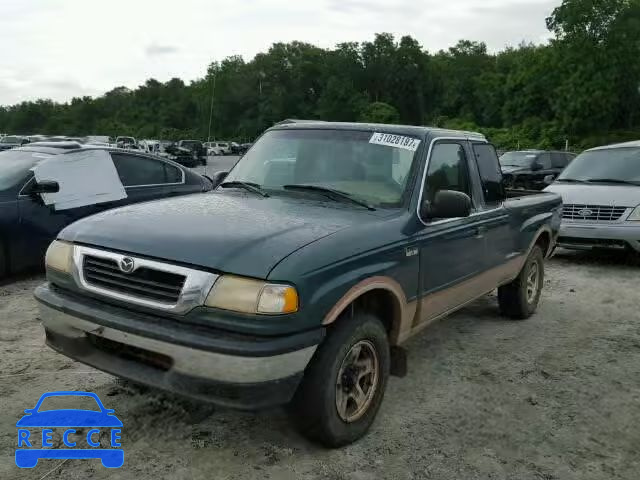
(27,225)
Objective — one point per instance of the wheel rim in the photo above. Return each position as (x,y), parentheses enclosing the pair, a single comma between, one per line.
(533,278)
(357,381)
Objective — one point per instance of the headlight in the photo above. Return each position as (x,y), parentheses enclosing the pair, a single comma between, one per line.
(635,215)
(252,296)
(59,256)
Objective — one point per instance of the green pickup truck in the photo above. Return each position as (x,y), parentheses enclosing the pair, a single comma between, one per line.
(297,280)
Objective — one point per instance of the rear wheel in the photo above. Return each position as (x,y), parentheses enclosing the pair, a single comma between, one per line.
(519,299)
(4,267)
(344,385)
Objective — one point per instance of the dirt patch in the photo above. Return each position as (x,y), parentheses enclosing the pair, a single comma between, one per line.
(554,397)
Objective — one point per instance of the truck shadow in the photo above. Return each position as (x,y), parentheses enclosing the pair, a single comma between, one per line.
(597,257)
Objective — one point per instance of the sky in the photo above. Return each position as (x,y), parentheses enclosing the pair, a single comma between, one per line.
(61,49)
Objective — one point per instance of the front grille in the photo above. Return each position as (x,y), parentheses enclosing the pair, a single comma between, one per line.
(145,283)
(596,213)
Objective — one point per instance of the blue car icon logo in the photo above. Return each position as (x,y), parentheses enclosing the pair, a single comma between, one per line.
(78,427)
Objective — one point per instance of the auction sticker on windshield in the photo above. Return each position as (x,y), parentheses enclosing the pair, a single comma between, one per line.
(398,141)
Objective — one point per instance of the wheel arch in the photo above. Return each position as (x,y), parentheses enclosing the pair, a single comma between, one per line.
(382,296)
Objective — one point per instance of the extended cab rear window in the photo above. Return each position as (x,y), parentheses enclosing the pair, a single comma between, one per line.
(490,172)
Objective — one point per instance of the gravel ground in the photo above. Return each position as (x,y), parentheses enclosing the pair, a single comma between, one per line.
(554,397)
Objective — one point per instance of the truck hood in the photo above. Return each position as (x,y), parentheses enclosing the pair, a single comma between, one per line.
(225,231)
(609,195)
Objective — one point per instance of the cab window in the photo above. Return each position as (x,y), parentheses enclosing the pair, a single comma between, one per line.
(447,170)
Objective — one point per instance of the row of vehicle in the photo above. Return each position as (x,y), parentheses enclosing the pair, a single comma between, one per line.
(130,143)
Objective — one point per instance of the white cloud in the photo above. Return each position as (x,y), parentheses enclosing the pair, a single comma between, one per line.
(64,48)
(155,49)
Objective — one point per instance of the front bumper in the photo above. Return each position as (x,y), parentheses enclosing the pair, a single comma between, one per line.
(170,357)
(600,235)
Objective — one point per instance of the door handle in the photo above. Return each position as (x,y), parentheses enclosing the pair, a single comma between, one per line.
(480,231)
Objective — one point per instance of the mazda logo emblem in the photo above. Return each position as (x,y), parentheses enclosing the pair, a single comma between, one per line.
(585,212)
(126,264)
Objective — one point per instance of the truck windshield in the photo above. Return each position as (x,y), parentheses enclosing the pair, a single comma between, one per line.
(357,163)
(616,164)
(517,159)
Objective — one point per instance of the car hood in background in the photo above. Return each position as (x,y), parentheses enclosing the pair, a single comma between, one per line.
(226,231)
(597,194)
(512,169)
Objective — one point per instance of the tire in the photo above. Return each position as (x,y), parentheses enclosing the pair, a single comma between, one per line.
(519,299)
(4,267)
(315,404)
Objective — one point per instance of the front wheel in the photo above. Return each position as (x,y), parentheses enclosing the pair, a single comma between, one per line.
(344,384)
(519,299)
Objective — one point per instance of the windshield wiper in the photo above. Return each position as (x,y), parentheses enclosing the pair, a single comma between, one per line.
(330,191)
(250,186)
(570,180)
(613,180)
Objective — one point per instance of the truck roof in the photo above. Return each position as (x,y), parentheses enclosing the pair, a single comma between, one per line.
(635,143)
(414,130)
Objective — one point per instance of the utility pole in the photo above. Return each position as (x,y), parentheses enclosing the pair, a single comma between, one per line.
(213,94)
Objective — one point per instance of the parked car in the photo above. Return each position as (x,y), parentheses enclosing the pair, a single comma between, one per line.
(150,146)
(97,139)
(299,283)
(127,143)
(196,148)
(601,194)
(218,148)
(244,147)
(181,155)
(236,148)
(12,141)
(27,225)
(527,169)
(212,148)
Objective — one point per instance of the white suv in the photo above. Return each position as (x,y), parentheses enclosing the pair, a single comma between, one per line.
(600,190)
(218,148)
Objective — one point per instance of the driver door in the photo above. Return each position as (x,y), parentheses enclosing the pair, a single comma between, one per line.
(451,250)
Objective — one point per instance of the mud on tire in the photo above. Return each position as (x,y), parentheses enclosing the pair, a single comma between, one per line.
(519,299)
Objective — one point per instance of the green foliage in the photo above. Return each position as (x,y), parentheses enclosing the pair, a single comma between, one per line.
(582,87)
(379,112)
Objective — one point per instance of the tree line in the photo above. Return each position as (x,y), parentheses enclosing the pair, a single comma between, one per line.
(583,87)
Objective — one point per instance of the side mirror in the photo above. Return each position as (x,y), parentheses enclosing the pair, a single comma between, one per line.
(45,186)
(549,179)
(535,166)
(447,204)
(218,178)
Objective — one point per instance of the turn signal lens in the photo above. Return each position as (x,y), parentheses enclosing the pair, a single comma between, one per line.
(278,299)
(59,255)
